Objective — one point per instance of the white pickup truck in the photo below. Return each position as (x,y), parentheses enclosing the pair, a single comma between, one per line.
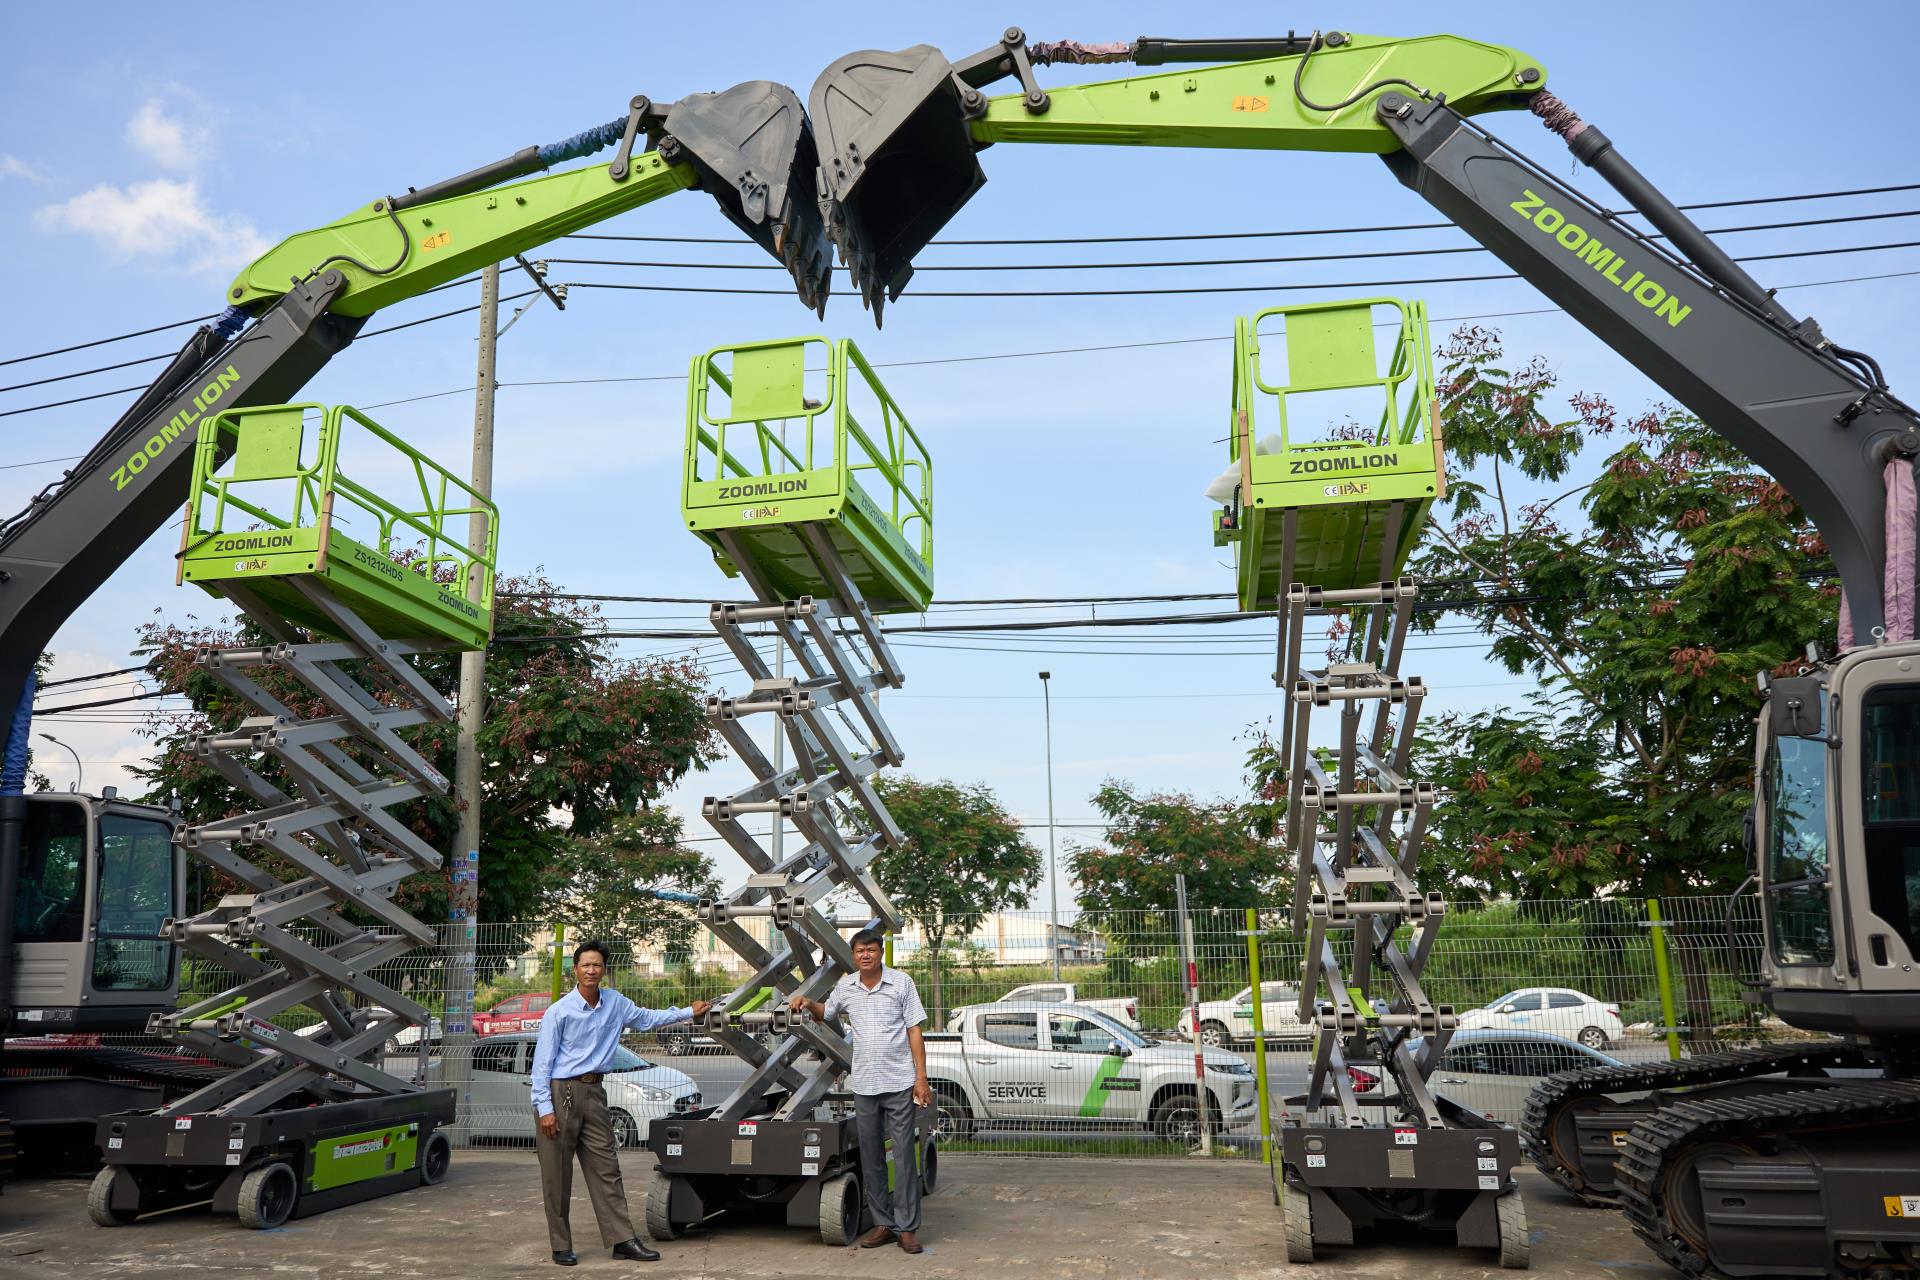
(1053,1066)
(1230,1022)
(1122,1009)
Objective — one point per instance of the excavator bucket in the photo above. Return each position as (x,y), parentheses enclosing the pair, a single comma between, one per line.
(754,150)
(897,160)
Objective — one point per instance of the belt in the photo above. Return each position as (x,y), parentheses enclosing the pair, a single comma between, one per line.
(592,1077)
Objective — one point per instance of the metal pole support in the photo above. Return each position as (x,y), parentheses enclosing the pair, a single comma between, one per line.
(1663,978)
(1193,1004)
(1259,1034)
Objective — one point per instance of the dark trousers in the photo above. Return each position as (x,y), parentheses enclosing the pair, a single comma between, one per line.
(881,1116)
(585,1132)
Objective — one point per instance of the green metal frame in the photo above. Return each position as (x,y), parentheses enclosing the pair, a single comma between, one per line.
(1252,104)
(761,490)
(444,591)
(1338,492)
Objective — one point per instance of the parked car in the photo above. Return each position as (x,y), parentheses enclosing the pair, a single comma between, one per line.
(638,1091)
(1060,1066)
(1560,1011)
(516,1013)
(407,1038)
(1122,1009)
(681,1039)
(1229,1022)
(1492,1072)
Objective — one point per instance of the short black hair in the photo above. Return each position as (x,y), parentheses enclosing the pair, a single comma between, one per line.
(870,934)
(592,944)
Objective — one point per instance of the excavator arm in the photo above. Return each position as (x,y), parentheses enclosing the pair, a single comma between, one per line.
(304,301)
(899,133)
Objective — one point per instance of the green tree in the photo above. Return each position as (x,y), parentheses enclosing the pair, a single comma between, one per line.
(1228,863)
(612,883)
(964,858)
(576,742)
(1644,602)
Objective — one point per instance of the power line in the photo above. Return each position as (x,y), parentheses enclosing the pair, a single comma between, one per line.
(1197,262)
(1258,235)
(101,342)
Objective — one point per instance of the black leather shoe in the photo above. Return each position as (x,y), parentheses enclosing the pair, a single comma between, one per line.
(634,1251)
(565,1258)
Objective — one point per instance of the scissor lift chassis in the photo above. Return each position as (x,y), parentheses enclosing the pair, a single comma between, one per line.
(171,1161)
(768,1167)
(1345,1174)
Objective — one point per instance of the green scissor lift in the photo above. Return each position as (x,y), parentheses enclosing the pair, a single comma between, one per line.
(807,481)
(1337,445)
(347,582)
(1341,500)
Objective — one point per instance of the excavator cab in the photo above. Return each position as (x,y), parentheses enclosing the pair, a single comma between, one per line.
(98,875)
(1842,960)
(1333,444)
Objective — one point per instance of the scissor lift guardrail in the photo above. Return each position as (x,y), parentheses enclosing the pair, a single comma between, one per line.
(826,514)
(1328,525)
(346,587)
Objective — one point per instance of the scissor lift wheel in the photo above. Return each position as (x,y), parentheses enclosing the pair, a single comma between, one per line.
(840,1209)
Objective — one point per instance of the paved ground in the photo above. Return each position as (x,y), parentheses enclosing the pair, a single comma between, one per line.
(995,1218)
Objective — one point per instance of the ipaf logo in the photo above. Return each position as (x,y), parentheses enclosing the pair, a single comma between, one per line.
(1351,489)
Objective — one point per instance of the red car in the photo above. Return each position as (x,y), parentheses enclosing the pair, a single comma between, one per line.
(515,1013)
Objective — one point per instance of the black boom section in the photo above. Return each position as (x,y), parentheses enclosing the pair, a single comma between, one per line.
(1796,411)
(136,480)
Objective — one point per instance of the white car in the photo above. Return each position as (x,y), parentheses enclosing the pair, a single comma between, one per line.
(1228,1022)
(638,1092)
(1560,1011)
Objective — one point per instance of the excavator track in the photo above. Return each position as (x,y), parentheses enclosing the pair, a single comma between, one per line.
(1549,1144)
(1658,1143)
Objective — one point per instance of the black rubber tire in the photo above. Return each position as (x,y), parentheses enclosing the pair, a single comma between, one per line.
(268,1196)
(1215,1035)
(435,1158)
(840,1209)
(676,1044)
(930,1168)
(1516,1246)
(1177,1119)
(954,1118)
(1593,1038)
(1297,1209)
(100,1200)
(626,1130)
(659,1199)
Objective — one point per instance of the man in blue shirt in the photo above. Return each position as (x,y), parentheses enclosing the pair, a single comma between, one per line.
(578,1035)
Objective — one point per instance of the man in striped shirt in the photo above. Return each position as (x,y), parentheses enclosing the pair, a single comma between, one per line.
(889,1080)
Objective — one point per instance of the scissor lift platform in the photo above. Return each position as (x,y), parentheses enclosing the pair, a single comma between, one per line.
(345,587)
(774,446)
(335,531)
(821,502)
(1338,449)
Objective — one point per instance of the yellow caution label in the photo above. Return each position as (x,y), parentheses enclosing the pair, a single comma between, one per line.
(1249,104)
(1902,1206)
(1619,1137)
(438,240)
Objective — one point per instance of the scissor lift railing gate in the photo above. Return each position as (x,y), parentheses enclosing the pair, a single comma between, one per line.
(331,691)
(1355,819)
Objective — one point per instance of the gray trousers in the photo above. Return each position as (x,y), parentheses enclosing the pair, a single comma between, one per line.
(881,1116)
(586,1132)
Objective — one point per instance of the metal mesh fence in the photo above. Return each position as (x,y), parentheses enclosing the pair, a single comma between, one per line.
(1098,1057)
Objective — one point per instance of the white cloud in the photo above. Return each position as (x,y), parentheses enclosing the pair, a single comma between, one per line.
(168,142)
(12,166)
(162,217)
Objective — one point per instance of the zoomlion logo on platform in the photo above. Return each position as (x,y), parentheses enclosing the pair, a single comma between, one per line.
(367,1148)
(1342,462)
(762,489)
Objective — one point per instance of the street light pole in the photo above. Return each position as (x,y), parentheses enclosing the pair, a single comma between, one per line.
(79,774)
(1053,870)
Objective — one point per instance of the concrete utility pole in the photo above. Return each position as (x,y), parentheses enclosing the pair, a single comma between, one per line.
(1053,872)
(463,900)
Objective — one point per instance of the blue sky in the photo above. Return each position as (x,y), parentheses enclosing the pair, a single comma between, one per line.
(144,157)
